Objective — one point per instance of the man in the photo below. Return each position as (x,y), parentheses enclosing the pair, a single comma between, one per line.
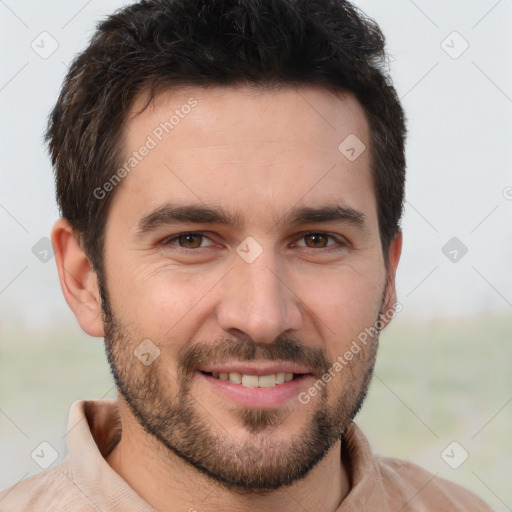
(230,176)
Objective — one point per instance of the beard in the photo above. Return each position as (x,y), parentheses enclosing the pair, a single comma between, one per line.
(165,407)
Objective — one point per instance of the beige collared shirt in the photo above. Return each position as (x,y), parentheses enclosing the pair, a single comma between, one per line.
(84,482)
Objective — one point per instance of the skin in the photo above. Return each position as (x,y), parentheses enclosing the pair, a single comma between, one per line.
(259,153)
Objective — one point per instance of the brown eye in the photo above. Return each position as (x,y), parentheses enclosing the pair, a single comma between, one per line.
(316,240)
(187,240)
(190,241)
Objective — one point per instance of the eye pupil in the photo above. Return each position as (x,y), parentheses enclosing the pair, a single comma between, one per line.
(317,238)
(189,240)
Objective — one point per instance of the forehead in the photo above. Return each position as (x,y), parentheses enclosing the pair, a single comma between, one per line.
(247,149)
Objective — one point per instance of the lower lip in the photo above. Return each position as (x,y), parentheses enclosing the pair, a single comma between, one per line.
(258,398)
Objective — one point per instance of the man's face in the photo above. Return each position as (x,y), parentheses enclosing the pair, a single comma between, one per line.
(262,281)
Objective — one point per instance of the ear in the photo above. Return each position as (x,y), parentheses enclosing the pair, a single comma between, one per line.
(389,304)
(78,280)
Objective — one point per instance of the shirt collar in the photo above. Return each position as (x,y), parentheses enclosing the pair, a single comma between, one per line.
(94,429)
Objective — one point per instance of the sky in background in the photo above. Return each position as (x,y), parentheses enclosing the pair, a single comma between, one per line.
(451,65)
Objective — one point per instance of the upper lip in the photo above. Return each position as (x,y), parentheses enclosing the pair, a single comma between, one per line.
(259,369)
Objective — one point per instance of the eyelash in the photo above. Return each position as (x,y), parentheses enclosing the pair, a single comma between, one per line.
(341,243)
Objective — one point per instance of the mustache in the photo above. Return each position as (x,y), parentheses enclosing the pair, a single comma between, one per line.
(243,348)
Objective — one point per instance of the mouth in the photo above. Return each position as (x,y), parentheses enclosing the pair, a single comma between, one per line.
(251,385)
(255,381)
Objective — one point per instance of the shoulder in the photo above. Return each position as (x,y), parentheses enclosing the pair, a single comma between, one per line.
(418,489)
(51,490)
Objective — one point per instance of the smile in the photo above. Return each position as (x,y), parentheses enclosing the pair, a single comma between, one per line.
(253,381)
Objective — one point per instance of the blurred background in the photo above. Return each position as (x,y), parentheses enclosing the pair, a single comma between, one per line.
(442,392)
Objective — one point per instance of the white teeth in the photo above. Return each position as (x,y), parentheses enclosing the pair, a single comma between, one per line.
(254,381)
(280,378)
(250,381)
(267,381)
(235,377)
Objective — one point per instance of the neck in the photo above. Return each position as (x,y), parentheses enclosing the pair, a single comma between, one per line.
(170,484)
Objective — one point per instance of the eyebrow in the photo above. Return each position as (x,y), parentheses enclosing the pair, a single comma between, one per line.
(202,214)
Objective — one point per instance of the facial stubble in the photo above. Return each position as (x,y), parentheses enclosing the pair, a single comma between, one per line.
(262,463)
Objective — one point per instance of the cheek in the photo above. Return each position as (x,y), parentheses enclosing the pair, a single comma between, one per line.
(166,306)
(345,307)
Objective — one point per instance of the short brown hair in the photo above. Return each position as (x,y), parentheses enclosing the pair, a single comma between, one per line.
(166,43)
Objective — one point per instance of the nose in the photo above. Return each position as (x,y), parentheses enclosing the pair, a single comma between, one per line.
(258,299)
